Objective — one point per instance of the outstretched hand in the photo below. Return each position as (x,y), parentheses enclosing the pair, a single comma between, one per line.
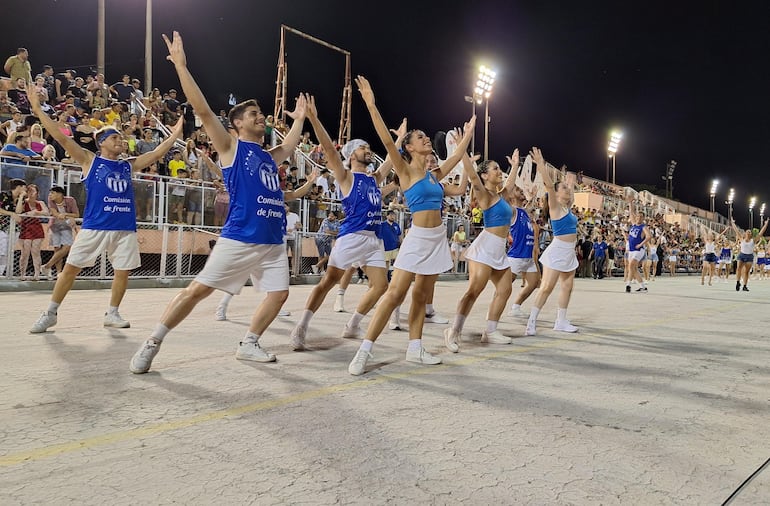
(313,175)
(365,89)
(514,159)
(537,157)
(400,132)
(176,54)
(300,109)
(469,126)
(34,101)
(312,112)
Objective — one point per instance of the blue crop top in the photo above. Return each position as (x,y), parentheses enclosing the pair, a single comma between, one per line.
(425,195)
(565,225)
(498,215)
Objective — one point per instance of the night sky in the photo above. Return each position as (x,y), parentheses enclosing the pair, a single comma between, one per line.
(687,81)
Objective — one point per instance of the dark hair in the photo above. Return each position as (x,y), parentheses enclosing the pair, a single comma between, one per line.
(238,109)
(58,189)
(484,167)
(407,138)
(546,214)
(15,183)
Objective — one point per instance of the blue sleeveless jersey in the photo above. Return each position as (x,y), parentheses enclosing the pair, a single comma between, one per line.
(109,196)
(635,236)
(362,206)
(522,235)
(256,214)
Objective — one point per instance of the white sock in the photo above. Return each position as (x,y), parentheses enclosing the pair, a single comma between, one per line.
(159,333)
(304,321)
(341,291)
(113,310)
(225,300)
(53,307)
(457,325)
(366,345)
(429,309)
(491,326)
(415,344)
(396,313)
(250,338)
(355,320)
(533,313)
(515,307)
(561,314)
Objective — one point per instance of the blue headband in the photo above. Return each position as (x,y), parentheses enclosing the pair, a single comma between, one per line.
(103,136)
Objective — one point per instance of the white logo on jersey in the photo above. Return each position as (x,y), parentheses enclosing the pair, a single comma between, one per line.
(268,174)
(117,183)
(374,196)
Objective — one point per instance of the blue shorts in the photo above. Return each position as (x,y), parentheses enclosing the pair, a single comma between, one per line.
(710,258)
(746,258)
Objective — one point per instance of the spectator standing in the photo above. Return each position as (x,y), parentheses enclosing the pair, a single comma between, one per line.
(32,233)
(64,211)
(17,66)
(122,90)
(171,108)
(8,202)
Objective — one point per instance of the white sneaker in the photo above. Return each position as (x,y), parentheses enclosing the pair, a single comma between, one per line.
(564,326)
(395,321)
(142,359)
(531,328)
(42,324)
(221,314)
(421,357)
(46,272)
(436,318)
(114,320)
(253,352)
(452,340)
(298,338)
(517,313)
(358,365)
(351,332)
(360,281)
(314,268)
(495,338)
(339,303)
(283,312)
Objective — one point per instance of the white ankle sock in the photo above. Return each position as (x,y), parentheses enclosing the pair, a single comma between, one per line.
(533,313)
(459,322)
(225,300)
(429,309)
(561,315)
(159,333)
(355,320)
(250,338)
(415,344)
(53,307)
(491,326)
(341,291)
(304,321)
(366,345)
(515,307)
(113,310)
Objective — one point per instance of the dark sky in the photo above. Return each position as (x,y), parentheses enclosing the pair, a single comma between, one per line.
(687,81)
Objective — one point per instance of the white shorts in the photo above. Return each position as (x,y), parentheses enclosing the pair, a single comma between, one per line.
(61,237)
(637,255)
(359,248)
(3,243)
(672,259)
(456,247)
(231,263)
(522,265)
(121,246)
(424,251)
(488,249)
(560,256)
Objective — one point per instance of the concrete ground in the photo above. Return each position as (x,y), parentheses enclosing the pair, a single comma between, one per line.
(661,398)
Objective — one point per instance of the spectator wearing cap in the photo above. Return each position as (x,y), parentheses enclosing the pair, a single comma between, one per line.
(17,66)
(64,211)
(62,85)
(48,80)
(137,96)
(176,164)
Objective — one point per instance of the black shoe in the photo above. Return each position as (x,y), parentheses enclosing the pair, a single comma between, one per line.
(628,288)
(642,289)
(737,286)
(745,288)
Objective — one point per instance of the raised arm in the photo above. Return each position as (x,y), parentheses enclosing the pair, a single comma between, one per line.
(156,154)
(302,190)
(387,165)
(213,167)
(762,230)
(510,181)
(399,164)
(223,142)
(333,159)
(80,155)
(290,141)
(462,147)
(548,182)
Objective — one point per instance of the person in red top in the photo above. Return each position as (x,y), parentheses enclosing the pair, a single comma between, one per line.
(32,233)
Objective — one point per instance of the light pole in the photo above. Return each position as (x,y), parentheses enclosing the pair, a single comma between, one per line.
(612,149)
(713,192)
(752,203)
(762,213)
(729,202)
(473,100)
(670,178)
(483,89)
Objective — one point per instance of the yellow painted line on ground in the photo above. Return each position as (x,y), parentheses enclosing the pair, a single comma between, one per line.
(117,437)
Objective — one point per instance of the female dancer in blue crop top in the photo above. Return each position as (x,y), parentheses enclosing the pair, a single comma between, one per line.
(559,259)
(424,253)
(486,256)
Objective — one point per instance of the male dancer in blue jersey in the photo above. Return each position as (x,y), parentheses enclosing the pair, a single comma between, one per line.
(251,242)
(359,241)
(109,218)
(638,237)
